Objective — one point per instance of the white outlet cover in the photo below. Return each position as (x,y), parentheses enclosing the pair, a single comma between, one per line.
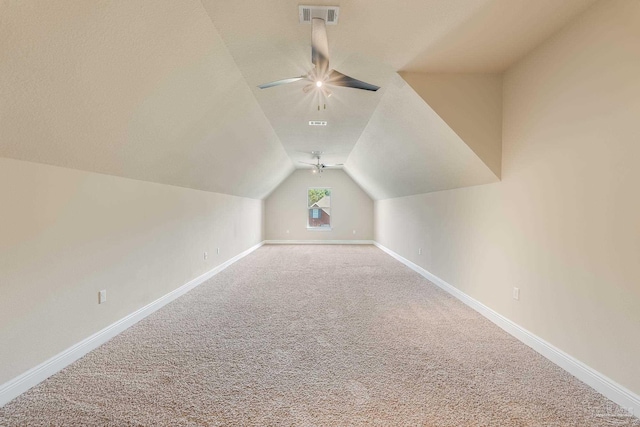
(102,296)
(516,293)
(218,251)
(206,255)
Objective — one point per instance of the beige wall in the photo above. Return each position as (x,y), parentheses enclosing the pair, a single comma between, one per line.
(563,225)
(66,234)
(351,208)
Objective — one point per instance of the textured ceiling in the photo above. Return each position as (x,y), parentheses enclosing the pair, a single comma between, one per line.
(497,34)
(372,41)
(165,91)
(405,140)
(144,90)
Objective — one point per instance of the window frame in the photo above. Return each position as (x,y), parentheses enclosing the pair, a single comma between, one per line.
(308,209)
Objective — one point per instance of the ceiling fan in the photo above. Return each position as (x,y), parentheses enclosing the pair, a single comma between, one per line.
(319,167)
(321,75)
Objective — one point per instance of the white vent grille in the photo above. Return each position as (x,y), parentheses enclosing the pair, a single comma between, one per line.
(331,15)
(317,123)
(328,13)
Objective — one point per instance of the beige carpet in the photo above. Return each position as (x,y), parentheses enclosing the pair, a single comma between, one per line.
(314,335)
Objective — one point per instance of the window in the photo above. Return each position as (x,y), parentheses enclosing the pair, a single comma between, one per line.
(319,208)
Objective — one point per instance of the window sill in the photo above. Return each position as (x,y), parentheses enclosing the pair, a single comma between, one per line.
(318,228)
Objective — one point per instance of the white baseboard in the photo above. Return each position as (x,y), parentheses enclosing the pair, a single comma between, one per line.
(318,242)
(15,387)
(599,382)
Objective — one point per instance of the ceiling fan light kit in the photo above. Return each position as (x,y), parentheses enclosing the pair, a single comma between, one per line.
(317,166)
(321,75)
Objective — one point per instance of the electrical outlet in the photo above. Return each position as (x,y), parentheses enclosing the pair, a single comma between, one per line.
(516,293)
(419,251)
(102,296)
(206,255)
(218,251)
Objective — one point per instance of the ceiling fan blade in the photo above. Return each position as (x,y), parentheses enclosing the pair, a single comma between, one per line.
(282,82)
(336,78)
(312,164)
(326,92)
(330,166)
(308,87)
(319,47)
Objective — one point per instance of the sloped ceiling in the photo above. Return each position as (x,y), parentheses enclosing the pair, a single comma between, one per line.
(405,139)
(373,41)
(165,91)
(471,105)
(144,90)
(496,35)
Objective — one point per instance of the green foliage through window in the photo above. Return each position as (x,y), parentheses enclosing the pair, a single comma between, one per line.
(316,194)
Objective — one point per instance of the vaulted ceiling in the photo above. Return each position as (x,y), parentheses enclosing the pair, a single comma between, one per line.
(166,91)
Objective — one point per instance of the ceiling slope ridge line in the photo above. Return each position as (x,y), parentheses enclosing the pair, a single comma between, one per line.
(253,95)
(545,41)
(244,79)
(459,24)
(280,183)
(404,121)
(449,125)
(465,142)
(128,178)
(355,179)
(356,182)
(462,187)
(276,186)
(384,93)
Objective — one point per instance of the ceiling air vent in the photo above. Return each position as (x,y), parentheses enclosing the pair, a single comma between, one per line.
(331,15)
(328,13)
(317,123)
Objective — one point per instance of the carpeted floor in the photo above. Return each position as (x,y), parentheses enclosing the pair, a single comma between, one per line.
(314,335)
